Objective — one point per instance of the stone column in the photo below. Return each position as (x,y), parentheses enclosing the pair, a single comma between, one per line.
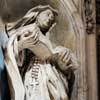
(86,9)
(90,22)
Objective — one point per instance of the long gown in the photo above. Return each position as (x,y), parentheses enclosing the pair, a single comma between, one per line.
(43,80)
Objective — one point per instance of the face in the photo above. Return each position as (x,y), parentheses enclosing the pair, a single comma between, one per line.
(45,18)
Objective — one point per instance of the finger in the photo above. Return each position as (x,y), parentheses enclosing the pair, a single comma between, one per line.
(68,60)
(62,54)
(71,67)
(66,56)
(36,36)
(32,42)
(35,42)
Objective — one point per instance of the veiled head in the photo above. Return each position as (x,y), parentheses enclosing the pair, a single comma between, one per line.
(45,18)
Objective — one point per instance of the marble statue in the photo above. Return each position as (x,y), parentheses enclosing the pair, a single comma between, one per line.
(37,70)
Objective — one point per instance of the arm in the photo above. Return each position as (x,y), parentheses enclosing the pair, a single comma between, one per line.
(35,41)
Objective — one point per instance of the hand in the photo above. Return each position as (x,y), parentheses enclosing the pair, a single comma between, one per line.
(28,39)
(64,58)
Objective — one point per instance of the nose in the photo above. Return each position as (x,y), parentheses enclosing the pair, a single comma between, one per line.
(48,21)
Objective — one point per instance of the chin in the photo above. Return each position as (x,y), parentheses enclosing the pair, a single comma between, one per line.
(44,25)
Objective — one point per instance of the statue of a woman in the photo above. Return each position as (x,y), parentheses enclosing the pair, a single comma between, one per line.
(44,69)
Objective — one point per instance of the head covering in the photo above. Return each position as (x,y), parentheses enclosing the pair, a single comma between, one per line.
(32,14)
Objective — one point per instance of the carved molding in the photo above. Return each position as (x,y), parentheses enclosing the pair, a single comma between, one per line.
(89,7)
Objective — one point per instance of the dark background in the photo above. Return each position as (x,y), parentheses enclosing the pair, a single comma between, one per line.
(11,10)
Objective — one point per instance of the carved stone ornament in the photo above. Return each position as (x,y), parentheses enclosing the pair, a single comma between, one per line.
(89,16)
